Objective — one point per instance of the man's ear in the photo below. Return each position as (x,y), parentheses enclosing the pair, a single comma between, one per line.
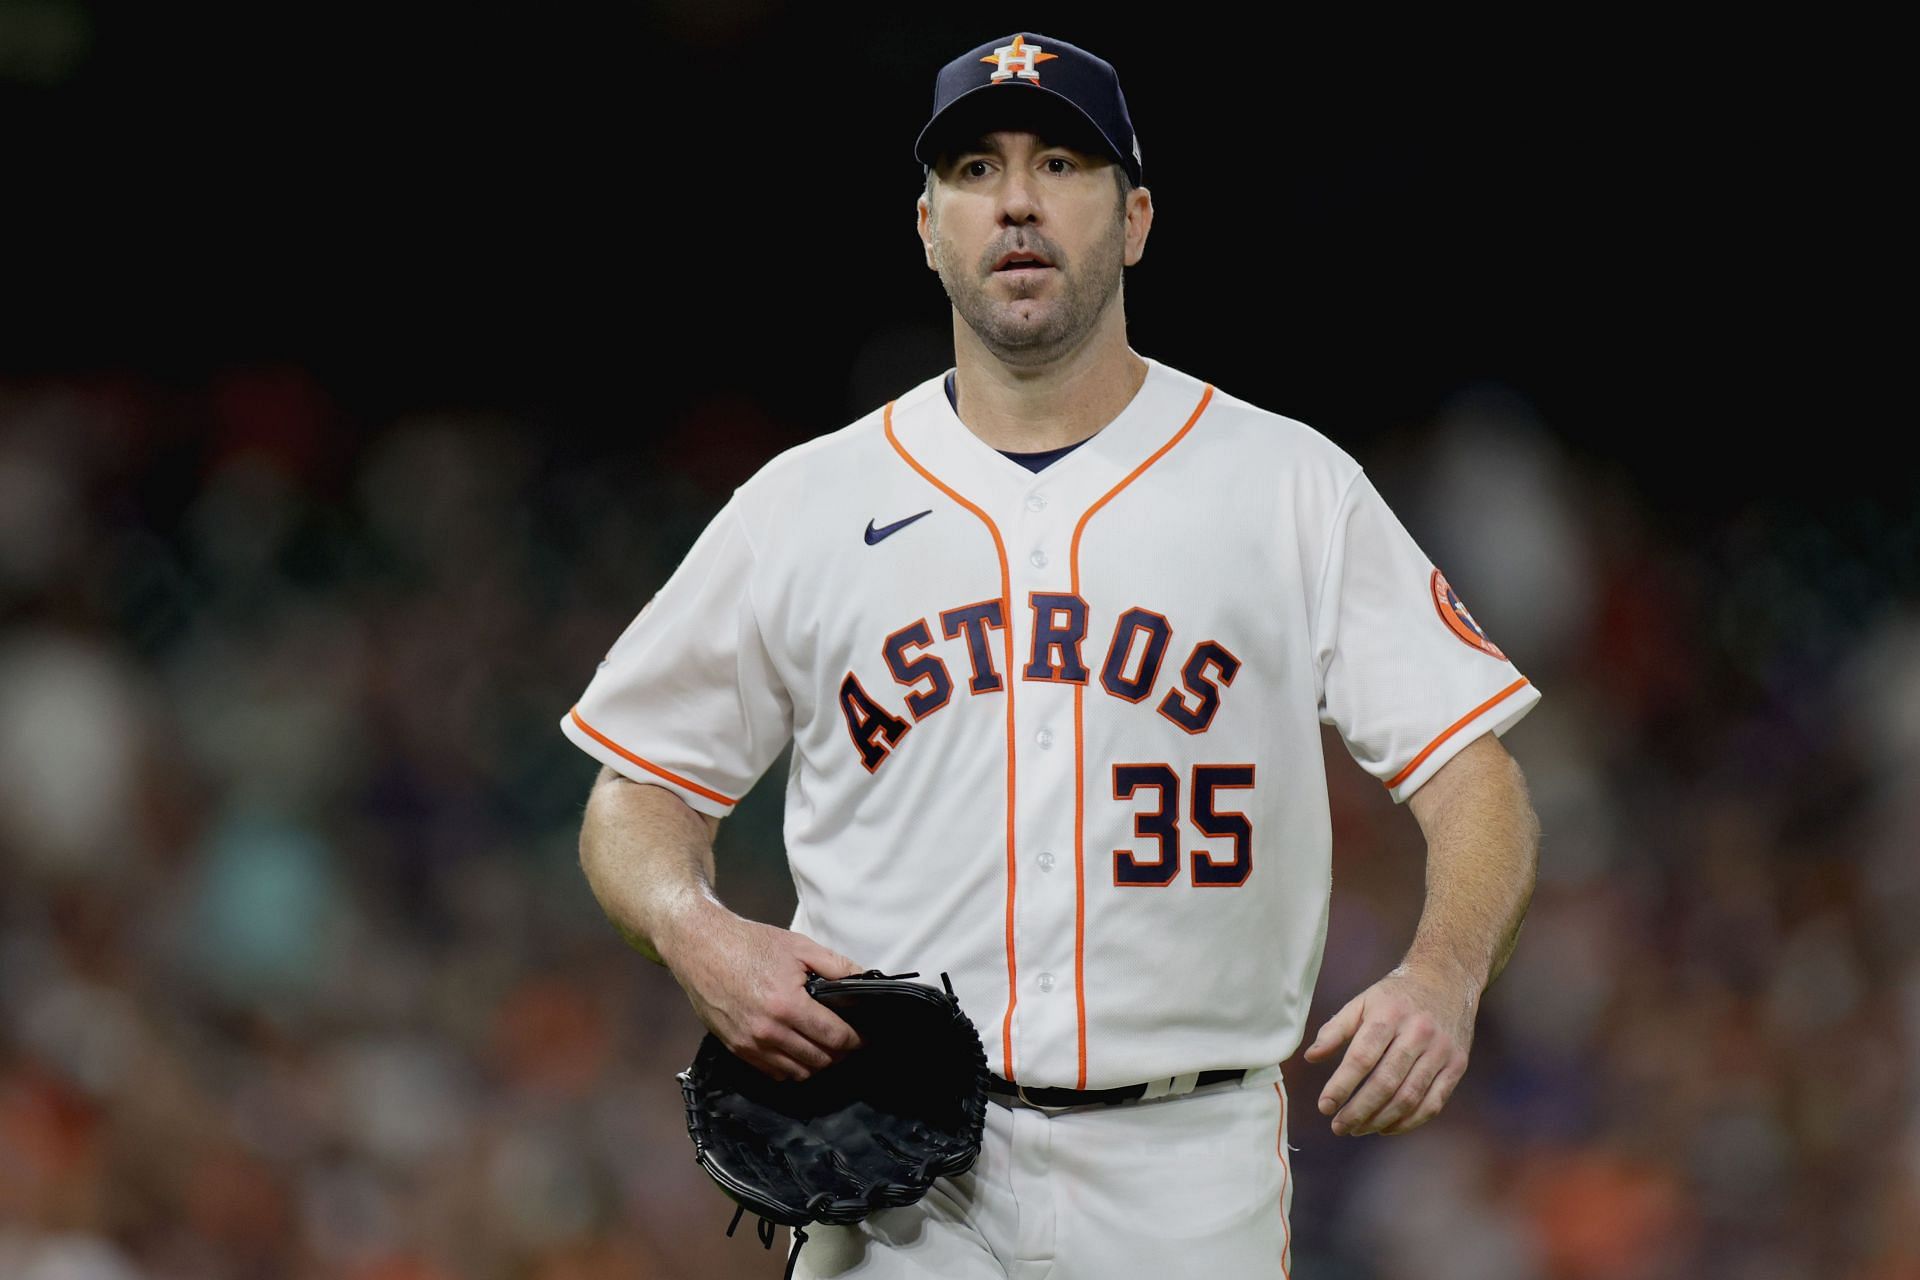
(923,223)
(1139,222)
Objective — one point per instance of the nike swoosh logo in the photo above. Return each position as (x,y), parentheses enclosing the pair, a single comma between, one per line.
(874,535)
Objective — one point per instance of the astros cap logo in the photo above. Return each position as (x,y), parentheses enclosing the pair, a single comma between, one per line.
(1081,95)
(1453,612)
(1017,59)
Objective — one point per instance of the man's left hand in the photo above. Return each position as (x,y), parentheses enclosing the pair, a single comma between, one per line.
(1411,1030)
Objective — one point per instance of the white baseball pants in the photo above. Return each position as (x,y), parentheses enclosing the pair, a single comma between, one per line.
(1196,1185)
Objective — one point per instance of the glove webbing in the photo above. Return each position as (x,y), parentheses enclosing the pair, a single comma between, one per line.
(766,1238)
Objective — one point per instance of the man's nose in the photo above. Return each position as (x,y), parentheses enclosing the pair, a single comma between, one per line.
(1019,196)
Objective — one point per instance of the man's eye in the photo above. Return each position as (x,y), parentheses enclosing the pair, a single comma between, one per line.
(967,167)
(1062,161)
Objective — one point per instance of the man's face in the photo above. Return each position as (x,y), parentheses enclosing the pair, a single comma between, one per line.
(1013,193)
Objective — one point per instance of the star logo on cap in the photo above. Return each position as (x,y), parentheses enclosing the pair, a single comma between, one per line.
(1017,59)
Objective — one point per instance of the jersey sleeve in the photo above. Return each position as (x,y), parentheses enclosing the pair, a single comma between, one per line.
(1406,674)
(688,698)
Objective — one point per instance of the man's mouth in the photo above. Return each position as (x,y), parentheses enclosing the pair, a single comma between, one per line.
(1021,260)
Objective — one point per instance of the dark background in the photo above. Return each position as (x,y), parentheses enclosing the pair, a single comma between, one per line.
(1630,223)
(363,369)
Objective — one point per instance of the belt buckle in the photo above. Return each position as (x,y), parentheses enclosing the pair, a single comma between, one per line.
(1020,1091)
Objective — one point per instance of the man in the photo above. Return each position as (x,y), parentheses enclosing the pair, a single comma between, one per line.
(1053,636)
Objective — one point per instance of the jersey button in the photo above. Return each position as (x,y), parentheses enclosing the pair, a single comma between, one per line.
(1036,502)
(1044,982)
(1044,738)
(1039,559)
(1046,861)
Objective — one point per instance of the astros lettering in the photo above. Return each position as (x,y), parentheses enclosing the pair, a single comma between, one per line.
(1130,670)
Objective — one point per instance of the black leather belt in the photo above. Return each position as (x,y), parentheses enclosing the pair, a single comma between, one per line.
(1055,1097)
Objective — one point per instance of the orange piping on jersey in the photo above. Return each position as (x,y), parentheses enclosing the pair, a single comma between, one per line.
(1006,614)
(1280,1144)
(1452,729)
(1079,750)
(648,765)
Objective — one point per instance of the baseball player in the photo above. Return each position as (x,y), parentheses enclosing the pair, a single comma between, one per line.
(1052,635)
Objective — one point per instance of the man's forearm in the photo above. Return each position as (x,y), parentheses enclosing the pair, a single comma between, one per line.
(648,858)
(1483,842)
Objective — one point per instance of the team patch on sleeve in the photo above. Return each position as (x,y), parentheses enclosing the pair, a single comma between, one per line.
(1453,612)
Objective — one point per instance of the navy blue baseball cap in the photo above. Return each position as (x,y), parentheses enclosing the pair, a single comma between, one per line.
(1029,79)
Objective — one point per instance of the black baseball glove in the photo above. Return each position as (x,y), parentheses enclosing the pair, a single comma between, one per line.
(871,1131)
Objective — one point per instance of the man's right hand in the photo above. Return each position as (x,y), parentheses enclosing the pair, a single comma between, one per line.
(746,981)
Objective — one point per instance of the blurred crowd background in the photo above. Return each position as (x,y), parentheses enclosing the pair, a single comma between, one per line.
(299,975)
(312,528)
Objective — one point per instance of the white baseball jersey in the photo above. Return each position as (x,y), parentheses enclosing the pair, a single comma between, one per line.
(1057,733)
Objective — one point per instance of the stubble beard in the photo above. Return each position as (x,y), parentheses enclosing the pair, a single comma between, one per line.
(1062,322)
